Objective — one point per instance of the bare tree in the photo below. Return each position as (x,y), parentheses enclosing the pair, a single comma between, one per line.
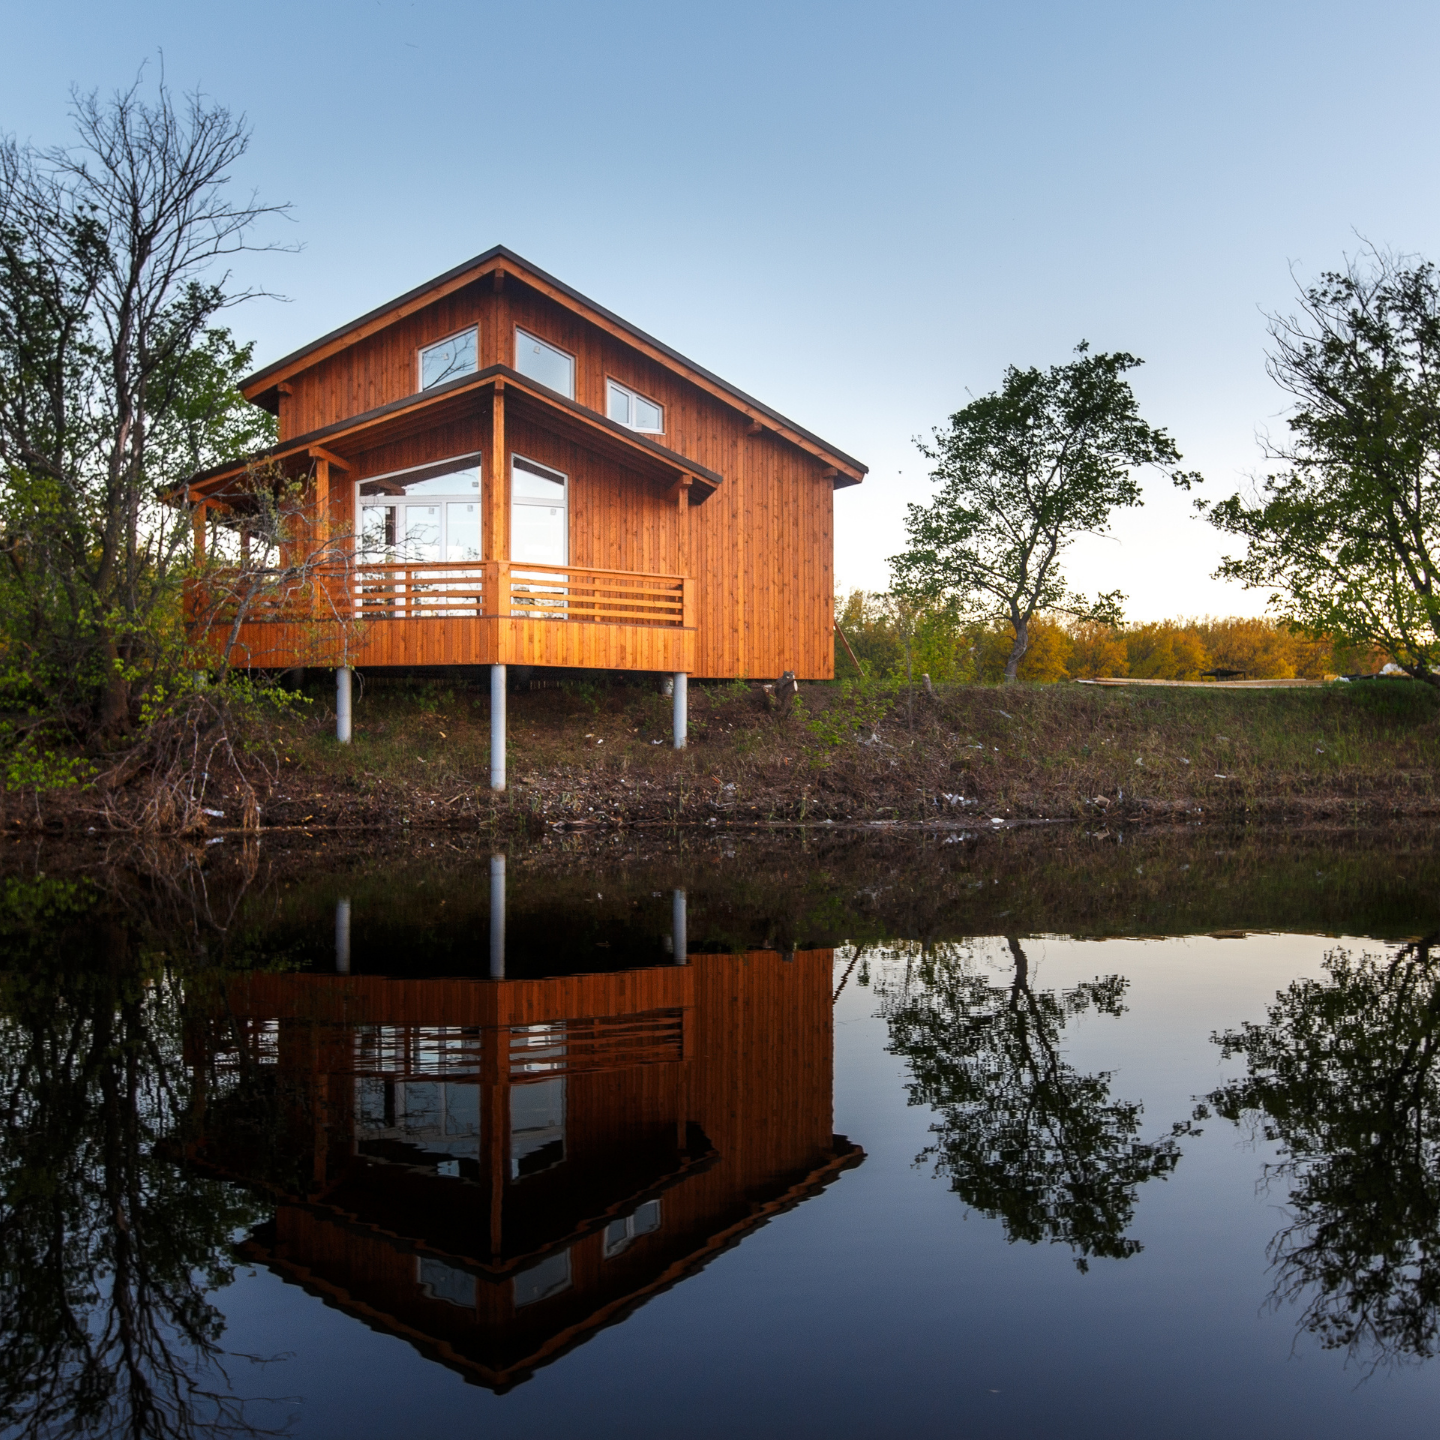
(115,380)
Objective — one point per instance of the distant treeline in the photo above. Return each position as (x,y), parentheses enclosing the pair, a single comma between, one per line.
(940,646)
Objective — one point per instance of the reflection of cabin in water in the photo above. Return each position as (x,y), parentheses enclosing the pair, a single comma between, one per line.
(495,1169)
(518,476)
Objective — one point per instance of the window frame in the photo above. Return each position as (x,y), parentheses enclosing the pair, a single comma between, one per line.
(473,460)
(420,350)
(539,504)
(634,395)
(549,345)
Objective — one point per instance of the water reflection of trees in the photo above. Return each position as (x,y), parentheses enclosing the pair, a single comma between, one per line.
(1344,1076)
(1021,1135)
(108,1249)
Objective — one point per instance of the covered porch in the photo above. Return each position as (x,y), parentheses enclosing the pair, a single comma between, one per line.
(315,553)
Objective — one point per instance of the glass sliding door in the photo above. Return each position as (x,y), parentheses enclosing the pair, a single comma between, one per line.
(419,518)
(539,534)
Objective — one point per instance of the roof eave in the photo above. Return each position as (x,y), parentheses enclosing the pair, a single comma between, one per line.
(262,386)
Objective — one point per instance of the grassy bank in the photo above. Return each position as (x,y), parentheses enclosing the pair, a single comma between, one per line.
(586,754)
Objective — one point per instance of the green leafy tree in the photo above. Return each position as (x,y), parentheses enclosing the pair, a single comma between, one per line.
(1345,535)
(1023,472)
(116,381)
(1020,1134)
(1344,1076)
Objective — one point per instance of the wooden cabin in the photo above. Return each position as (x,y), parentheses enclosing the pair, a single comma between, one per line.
(496,470)
(493,1170)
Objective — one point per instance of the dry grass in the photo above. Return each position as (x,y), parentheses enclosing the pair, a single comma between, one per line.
(591,753)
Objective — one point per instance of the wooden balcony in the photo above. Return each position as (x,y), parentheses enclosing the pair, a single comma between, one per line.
(448,613)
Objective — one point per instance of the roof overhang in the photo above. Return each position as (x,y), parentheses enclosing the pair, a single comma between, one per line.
(345,440)
(263,386)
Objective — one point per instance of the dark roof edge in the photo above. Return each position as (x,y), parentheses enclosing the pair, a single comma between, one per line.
(339,429)
(500,252)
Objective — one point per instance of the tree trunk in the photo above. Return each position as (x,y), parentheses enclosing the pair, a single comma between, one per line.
(1017,652)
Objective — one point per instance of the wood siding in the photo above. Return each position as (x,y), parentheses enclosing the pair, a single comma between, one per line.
(760,549)
(708,1088)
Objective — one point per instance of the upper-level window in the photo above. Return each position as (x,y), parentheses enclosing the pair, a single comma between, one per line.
(624,405)
(448,359)
(543,362)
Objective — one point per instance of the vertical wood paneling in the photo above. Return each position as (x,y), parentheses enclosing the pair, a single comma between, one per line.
(760,549)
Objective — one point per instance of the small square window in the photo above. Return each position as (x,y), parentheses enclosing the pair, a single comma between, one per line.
(540,1282)
(448,360)
(629,408)
(541,361)
(446,1282)
(619,1233)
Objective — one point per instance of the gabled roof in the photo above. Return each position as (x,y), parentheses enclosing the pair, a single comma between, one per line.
(261,386)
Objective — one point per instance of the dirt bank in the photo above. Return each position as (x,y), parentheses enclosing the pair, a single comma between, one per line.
(590,755)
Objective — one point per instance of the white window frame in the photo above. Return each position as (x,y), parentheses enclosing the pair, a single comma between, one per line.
(633,395)
(421,350)
(525,500)
(474,460)
(522,334)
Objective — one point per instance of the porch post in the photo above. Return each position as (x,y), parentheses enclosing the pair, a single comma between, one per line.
(678,939)
(497,917)
(342,704)
(682,708)
(342,936)
(497,727)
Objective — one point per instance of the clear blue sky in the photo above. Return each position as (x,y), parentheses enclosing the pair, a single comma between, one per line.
(858,213)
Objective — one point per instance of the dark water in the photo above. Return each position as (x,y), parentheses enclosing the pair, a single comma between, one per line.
(1040,1135)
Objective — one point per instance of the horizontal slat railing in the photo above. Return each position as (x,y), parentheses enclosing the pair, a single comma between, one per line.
(412,590)
(572,592)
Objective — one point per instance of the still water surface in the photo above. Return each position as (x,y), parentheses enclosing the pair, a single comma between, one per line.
(572,1150)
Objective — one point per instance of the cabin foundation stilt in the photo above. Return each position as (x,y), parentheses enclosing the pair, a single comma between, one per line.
(497,727)
(342,936)
(343,677)
(678,939)
(497,917)
(681,708)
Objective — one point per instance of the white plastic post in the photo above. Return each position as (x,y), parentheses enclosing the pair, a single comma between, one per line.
(681,709)
(497,727)
(342,704)
(678,938)
(497,917)
(342,936)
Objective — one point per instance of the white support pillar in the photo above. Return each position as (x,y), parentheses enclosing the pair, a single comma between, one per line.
(681,709)
(342,936)
(497,730)
(497,917)
(679,941)
(342,704)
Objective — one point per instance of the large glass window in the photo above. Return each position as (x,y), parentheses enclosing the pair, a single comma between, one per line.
(422,515)
(537,1127)
(448,359)
(541,361)
(631,408)
(539,513)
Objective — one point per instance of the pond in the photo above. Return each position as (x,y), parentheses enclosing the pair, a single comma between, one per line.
(1034,1134)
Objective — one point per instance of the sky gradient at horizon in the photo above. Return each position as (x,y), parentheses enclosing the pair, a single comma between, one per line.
(859,215)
